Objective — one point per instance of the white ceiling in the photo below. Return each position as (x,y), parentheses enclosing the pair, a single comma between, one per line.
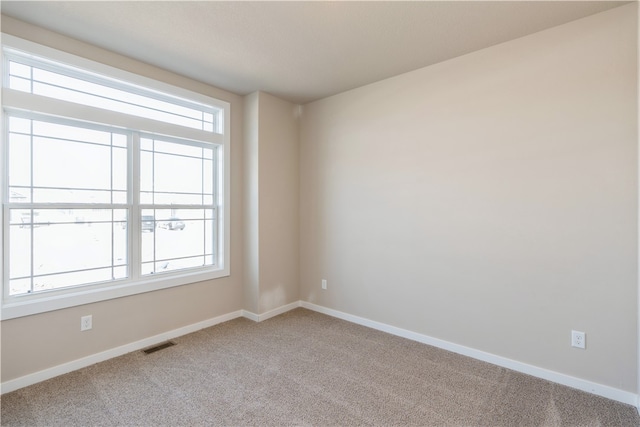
(300,51)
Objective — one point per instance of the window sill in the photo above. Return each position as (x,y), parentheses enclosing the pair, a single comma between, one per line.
(28,305)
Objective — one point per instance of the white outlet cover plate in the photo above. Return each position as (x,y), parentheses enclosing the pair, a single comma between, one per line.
(86,323)
(578,339)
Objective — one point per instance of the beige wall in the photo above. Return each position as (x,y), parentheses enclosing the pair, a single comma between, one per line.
(251,199)
(489,200)
(279,203)
(33,343)
(271,194)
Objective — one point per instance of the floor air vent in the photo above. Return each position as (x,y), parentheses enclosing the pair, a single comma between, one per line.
(159,347)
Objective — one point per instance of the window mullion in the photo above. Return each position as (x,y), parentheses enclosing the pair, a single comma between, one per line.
(218,237)
(133,185)
(4,190)
(5,252)
(113,258)
(31,200)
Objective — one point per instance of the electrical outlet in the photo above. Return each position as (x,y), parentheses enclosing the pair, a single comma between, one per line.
(324,283)
(86,323)
(578,339)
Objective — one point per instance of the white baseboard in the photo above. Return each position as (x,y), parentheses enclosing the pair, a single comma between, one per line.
(556,377)
(48,373)
(271,313)
(580,384)
(74,365)
(250,315)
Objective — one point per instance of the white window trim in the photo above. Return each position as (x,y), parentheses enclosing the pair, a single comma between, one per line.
(64,298)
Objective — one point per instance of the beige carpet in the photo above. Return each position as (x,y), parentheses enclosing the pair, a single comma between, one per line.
(303,368)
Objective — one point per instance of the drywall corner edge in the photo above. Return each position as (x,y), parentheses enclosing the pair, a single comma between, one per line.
(637,402)
(271,313)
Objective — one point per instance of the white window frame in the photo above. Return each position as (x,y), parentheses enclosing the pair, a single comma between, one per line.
(24,305)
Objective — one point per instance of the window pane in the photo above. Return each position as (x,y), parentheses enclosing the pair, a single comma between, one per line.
(159,184)
(89,99)
(66,164)
(71,133)
(51,257)
(179,264)
(20,251)
(120,197)
(120,241)
(54,195)
(62,82)
(20,84)
(148,227)
(147,268)
(182,238)
(146,172)
(20,125)
(119,140)
(70,247)
(146,198)
(207,181)
(17,69)
(189,179)
(120,272)
(176,239)
(146,144)
(180,149)
(19,195)
(20,160)
(21,217)
(61,163)
(141,103)
(177,199)
(19,286)
(75,278)
(119,172)
(209,231)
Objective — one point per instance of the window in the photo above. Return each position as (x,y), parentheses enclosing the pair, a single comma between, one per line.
(115,184)
(176,202)
(67,200)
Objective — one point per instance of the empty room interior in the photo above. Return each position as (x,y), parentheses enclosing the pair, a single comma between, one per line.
(320,213)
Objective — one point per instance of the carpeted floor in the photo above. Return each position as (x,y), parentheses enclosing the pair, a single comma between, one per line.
(303,368)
